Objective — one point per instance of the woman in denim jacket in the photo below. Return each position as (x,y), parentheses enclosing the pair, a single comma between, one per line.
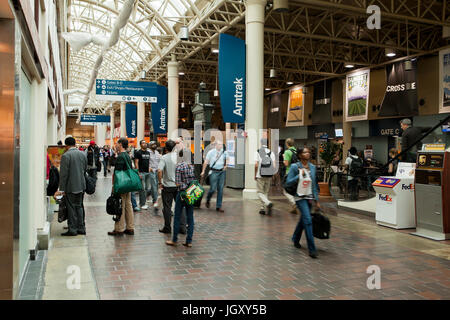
(304,202)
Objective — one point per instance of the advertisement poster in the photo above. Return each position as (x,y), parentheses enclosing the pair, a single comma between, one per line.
(296,108)
(55,153)
(357,97)
(444,80)
(232,75)
(400,98)
(231,153)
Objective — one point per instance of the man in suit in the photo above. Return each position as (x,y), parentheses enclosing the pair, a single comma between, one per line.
(72,185)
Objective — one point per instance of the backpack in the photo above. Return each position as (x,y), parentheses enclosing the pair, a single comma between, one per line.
(294,158)
(90,184)
(114,206)
(267,169)
(53,181)
(193,193)
(356,167)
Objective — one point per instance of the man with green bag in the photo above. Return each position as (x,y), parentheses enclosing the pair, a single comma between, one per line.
(125,180)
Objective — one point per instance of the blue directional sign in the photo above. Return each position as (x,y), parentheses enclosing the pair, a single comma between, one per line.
(126,91)
(91,119)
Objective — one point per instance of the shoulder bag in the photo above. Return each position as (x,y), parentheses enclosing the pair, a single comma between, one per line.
(127,180)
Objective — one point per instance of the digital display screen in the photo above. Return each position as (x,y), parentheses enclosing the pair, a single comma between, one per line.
(430,160)
(339,132)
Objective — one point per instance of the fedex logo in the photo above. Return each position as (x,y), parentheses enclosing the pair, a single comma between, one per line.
(407,187)
(385,198)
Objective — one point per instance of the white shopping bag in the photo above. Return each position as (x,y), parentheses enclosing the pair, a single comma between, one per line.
(304,187)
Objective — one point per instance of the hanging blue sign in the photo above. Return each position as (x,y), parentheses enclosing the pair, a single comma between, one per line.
(159,112)
(131,120)
(232,77)
(94,118)
(129,91)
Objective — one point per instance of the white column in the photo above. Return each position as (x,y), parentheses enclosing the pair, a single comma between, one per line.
(100,134)
(254,21)
(140,121)
(52,129)
(112,127)
(172,91)
(123,125)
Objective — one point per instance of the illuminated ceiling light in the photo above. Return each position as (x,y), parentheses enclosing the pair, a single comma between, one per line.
(390,52)
(408,65)
(184,33)
(349,65)
(143,74)
(273,73)
(289,83)
(268,89)
(216,93)
(215,45)
(281,5)
(182,105)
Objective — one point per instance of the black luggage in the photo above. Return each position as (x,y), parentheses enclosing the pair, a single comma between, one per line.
(321,226)
(62,211)
(114,206)
(90,184)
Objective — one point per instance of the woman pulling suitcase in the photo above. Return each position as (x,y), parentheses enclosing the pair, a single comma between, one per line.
(303,173)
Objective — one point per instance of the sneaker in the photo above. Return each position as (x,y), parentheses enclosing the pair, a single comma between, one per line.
(129,232)
(262,212)
(144,207)
(207,204)
(155,205)
(137,209)
(313,255)
(269,208)
(297,245)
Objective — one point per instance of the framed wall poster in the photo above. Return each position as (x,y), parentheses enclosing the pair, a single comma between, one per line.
(444,81)
(55,153)
(357,96)
(296,108)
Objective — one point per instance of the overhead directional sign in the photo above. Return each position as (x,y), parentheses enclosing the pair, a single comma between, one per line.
(126,91)
(92,119)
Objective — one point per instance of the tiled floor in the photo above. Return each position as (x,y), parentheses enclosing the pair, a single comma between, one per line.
(240,254)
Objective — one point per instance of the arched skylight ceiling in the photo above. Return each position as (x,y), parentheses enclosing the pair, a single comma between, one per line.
(150,21)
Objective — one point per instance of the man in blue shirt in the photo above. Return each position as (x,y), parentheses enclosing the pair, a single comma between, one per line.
(216,158)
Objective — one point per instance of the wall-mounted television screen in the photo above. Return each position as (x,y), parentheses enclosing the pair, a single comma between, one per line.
(339,133)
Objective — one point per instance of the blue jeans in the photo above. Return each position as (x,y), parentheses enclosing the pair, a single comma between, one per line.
(145,178)
(179,205)
(133,200)
(154,186)
(305,222)
(217,181)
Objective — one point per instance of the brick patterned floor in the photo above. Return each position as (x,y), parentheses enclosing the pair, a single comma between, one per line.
(240,254)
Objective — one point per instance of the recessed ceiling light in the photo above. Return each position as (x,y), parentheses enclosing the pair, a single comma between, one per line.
(289,83)
(181,73)
(349,65)
(267,89)
(215,50)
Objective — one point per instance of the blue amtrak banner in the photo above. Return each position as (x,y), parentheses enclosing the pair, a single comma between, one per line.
(232,75)
(131,120)
(159,111)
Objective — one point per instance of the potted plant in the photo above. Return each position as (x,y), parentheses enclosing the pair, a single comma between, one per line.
(327,155)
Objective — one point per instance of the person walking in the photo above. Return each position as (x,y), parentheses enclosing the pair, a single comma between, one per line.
(105,153)
(217,159)
(166,178)
(354,165)
(155,158)
(265,168)
(72,185)
(304,173)
(123,161)
(184,175)
(410,135)
(290,157)
(142,162)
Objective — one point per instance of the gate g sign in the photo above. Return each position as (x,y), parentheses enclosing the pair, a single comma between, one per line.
(232,75)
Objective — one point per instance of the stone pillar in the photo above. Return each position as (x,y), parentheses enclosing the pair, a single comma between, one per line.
(140,122)
(123,125)
(112,127)
(254,21)
(172,91)
(346,126)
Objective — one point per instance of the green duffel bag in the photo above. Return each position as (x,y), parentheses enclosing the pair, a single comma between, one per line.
(127,180)
(193,193)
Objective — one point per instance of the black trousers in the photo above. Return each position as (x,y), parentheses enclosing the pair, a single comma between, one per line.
(168,196)
(92,173)
(75,212)
(353,189)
